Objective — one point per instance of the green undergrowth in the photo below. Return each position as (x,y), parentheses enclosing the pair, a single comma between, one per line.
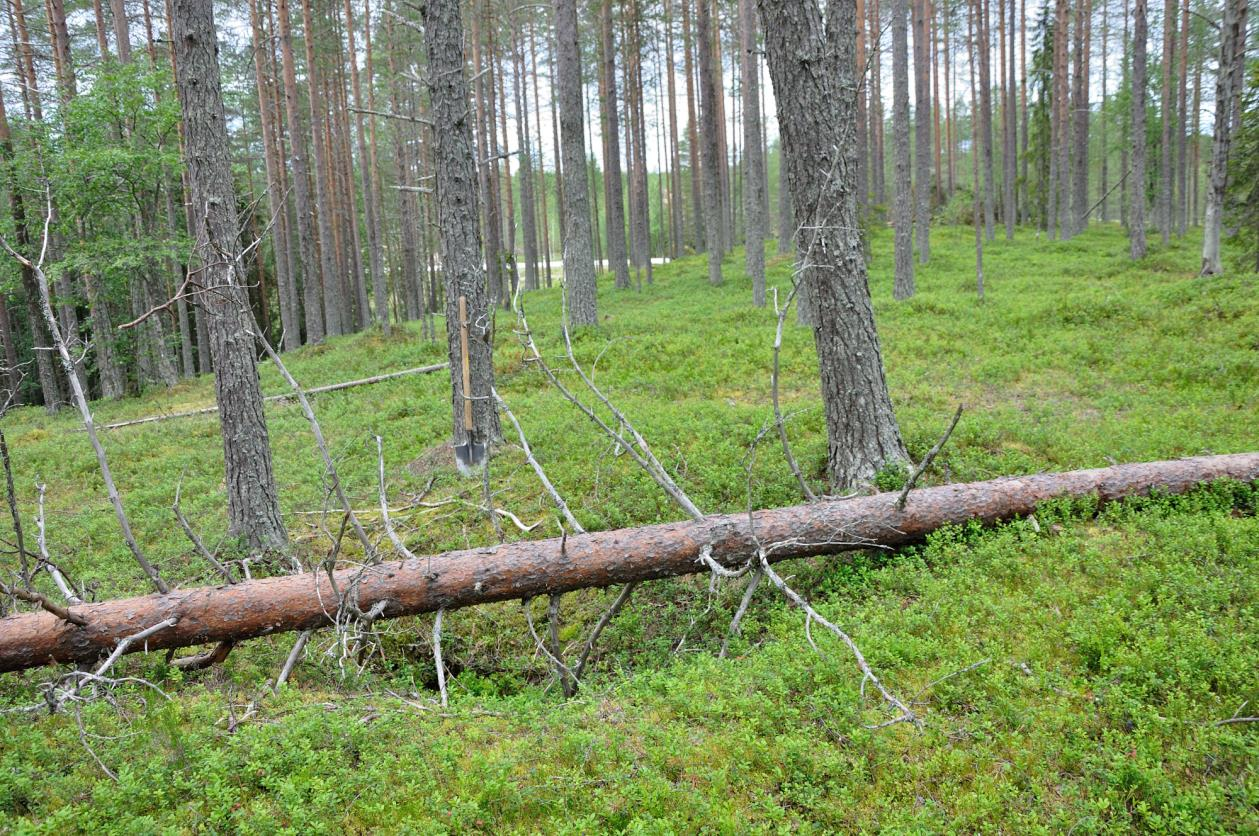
(1115,640)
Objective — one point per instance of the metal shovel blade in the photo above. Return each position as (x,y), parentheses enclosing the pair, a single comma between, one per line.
(469,457)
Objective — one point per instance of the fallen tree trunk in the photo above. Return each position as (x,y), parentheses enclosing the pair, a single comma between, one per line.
(286,396)
(600,559)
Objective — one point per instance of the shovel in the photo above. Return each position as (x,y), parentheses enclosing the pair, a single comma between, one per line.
(470,456)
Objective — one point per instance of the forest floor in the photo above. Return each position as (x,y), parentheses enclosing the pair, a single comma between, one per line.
(1111,644)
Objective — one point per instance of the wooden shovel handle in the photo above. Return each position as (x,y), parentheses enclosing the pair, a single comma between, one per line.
(467,368)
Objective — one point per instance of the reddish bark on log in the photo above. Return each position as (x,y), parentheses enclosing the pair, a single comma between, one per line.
(599,559)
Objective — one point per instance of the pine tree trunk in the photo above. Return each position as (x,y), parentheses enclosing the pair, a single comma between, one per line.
(677,203)
(579,268)
(1125,123)
(275,194)
(710,162)
(692,125)
(528,217)
(1167,111)
(608,106)
(985,119)
(1104,185)
(334,301)
(902,210)
(1009,123)
(922,133)
(459,222)
(1232,56)
(878,159)
(1080,111)
(754,162)
(1136,209)
(1181,210)
(252,502)
(371,214)
(863,119)
(786,214)
(312,281)
(813,66)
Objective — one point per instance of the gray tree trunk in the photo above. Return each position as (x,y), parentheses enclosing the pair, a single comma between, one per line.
(1080,117)
(1232,55)
(786,215)
(611,130)
(1009,156)
(1136,208)
(528,218)
(692,125)
(312,282)
(1182,176)
(812,65)
(275,194)
(753,156)
(334,300)
(371,214)
(985,118)
(922,131)
(579,265)
(252,503)
(710,156)
(902,197)
(1168,115)
(459,221)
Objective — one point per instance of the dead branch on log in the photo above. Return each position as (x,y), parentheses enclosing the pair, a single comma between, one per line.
(44,602)
(596,560)
(287,396)
(41,542)
(205,553)
(781,313)
(927,460)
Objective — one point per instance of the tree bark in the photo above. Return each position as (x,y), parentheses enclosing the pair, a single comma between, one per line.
(528,569)
(1136,208)
(1009,124)
(253,506)
(459,222)
(692,125)
(710,156)
(813,67)
(1080,111)
(985,118)
(1182,178)
(289,317)
(1232,56)
(371,214)
(579,266)
(312,281)
(902,210)
(614,200)
(334,301)
(753,160)
(1167,114)
(922,132)
(528,217)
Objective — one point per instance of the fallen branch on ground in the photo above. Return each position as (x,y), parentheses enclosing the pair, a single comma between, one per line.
(526,569)
(286,396)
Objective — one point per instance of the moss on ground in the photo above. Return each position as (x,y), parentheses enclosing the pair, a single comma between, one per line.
(1115,641)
